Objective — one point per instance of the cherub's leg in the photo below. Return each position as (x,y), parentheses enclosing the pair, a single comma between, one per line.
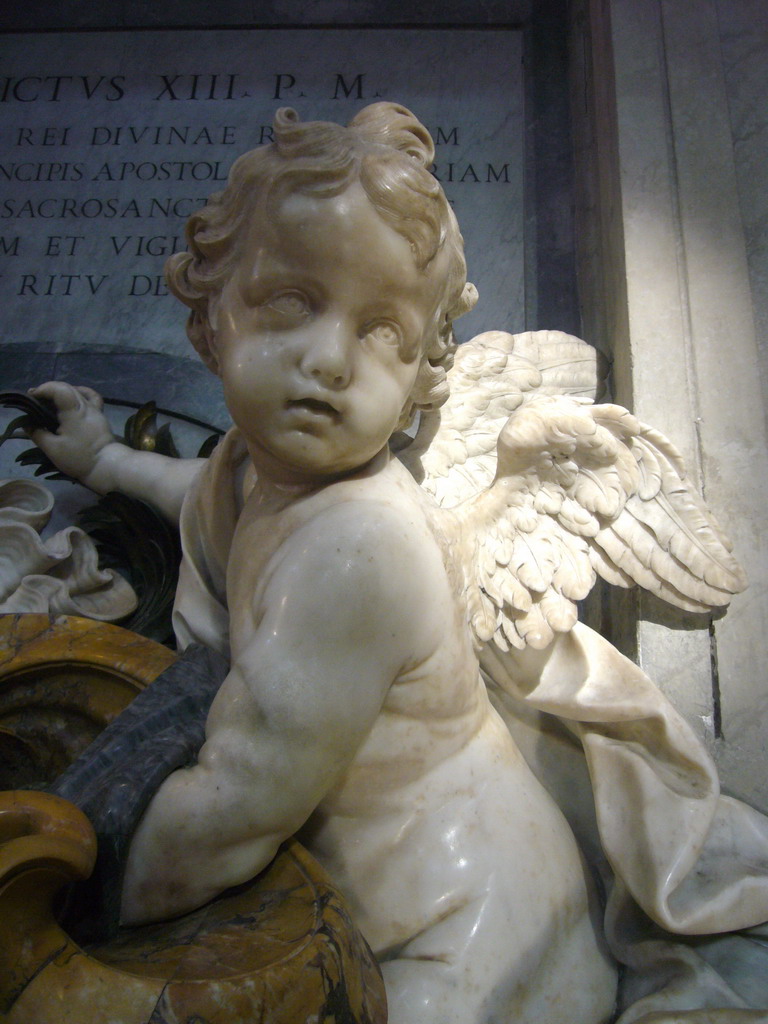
(427,981)
(473,967)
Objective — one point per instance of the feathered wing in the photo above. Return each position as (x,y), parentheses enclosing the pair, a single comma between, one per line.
(550,490)
(454,452)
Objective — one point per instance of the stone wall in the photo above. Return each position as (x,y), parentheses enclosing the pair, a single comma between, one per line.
(671,145)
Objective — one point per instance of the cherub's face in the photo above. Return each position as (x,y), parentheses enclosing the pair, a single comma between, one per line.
(310,334)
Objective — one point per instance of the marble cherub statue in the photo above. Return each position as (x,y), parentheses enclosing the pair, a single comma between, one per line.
(368,603)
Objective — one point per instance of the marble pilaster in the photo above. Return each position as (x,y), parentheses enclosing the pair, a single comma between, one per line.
(685,349)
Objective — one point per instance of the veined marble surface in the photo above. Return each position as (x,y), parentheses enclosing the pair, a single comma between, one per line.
(744,46)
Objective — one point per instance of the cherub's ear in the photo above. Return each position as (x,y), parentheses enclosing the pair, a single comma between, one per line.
(202,334)
(468,300)
(211,316)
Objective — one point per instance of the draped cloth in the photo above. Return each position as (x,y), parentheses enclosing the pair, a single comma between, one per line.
(677,857)
(208,519)
(684,868)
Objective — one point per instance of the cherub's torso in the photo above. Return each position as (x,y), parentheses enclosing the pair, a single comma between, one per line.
(441,682)
(437,701)
(437,813)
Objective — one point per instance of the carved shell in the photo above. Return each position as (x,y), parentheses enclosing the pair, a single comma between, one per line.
(59,574)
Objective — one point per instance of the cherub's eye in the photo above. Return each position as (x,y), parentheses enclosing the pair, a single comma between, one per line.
(289,303)
(385,332)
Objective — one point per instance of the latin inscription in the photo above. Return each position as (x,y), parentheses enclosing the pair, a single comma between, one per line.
(99,171)
(134,137)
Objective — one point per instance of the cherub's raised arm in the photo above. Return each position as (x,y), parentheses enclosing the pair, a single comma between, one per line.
(85,448)
(337,622)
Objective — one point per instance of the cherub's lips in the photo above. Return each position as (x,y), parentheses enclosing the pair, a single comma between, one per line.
(315,407)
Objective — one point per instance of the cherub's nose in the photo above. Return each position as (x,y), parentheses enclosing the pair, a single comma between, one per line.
(327,355)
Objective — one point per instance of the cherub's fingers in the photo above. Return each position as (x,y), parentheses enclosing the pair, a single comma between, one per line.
(42,436)
(65,397)
(93,398)
(82,432)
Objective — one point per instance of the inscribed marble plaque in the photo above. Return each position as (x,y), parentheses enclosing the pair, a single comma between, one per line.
(111,140)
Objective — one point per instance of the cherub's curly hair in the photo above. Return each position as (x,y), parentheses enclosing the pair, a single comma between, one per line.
(389,152)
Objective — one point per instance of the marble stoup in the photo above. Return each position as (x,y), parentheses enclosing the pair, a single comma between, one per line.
(58,573)
(392,621)
(280,949)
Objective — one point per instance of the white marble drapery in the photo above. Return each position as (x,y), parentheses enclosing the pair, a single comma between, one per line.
(58,574)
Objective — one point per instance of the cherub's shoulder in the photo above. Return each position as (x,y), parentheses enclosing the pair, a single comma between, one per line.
(363,537)
(391,534)
(360,568)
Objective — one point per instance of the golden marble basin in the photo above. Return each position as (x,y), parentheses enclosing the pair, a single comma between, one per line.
(62,680)
(280,950)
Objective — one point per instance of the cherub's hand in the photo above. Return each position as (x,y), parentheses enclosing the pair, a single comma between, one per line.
(83,431)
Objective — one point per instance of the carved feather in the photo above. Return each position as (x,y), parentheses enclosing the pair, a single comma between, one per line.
(492,375)
(550,490)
